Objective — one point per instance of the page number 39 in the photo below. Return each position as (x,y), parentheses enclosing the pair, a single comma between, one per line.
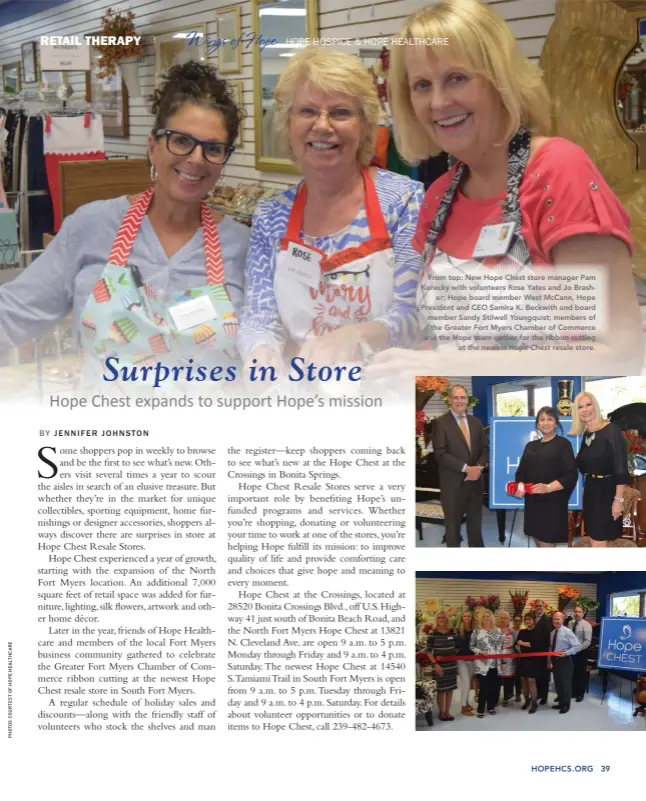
(605,768)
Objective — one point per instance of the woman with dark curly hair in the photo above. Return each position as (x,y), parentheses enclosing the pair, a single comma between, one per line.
(154,276)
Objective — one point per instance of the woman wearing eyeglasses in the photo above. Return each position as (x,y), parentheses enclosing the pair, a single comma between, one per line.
(126,267)
(331,265)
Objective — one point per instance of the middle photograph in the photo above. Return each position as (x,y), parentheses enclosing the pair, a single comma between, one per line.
(537,461)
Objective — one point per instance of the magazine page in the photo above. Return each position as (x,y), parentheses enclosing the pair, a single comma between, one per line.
(272,276)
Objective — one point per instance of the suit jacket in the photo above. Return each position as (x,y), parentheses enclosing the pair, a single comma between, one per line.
(451,449)
(545,627)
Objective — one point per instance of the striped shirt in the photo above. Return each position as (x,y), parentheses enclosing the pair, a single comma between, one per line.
(400,200)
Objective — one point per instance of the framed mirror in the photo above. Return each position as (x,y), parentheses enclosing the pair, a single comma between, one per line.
(279,23)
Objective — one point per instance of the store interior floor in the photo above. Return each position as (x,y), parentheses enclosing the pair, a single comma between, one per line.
(615,713)
(433,533)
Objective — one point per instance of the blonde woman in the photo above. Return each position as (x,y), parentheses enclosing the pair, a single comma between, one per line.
(487,639)
(331,264)
(603,461)
(482,101)
(507,667)
(466,668)
(443,642)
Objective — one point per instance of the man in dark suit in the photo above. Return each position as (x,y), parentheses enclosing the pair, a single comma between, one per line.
(462,452)
(545,626)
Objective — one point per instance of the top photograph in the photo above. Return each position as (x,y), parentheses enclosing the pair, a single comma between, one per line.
(455,191)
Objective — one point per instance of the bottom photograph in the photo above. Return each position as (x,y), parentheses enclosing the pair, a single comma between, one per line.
(530,651)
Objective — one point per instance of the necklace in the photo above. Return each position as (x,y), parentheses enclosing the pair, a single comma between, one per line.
(590,438)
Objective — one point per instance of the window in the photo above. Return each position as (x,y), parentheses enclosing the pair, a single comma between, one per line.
(618,391)
(511,399)
(631,604)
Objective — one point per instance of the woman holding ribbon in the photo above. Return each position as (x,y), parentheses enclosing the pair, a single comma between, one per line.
(603,461)
(548,469)
(513,200)
(158,275)
(487,639)
(443,642)
(331,269)
(531,668)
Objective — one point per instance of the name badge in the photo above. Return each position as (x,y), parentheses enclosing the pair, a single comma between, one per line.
(190,313)
(494,240)
(301,263)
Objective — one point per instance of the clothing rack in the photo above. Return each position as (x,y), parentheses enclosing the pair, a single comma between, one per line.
(35,103)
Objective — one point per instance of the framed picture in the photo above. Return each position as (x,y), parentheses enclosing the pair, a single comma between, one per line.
(52,81)
(11,82)
(109,97)
(236,88)
(229,56)
(179,46)
(29,69)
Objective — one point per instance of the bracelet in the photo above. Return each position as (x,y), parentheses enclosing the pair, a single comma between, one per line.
(621,500)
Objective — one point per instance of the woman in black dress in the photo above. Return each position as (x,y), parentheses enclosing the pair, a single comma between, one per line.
(530,667)
(603,461)
(548,464)
(443,642)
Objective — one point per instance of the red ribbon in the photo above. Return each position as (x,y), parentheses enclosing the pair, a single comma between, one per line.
(493,656)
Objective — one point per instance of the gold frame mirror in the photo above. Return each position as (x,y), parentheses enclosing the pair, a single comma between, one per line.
(270,151)
(595,39)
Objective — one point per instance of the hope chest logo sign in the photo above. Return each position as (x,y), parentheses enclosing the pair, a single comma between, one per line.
(623,643)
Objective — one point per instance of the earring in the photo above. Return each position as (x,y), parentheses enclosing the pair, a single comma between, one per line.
(153,172)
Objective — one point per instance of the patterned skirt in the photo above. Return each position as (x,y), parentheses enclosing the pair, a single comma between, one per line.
(449,680)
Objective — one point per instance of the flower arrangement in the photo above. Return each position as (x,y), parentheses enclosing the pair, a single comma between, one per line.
(426,387)
(519,600)
(491,602)
(635,446)
(114,23)
(567,594)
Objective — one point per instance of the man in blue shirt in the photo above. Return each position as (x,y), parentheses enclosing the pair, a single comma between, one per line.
(566,644)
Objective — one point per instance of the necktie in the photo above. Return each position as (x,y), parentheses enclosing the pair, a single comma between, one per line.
(553,648)
(575,625)
(465,430)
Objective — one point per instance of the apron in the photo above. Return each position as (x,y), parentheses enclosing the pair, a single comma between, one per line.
(350,286)
(435,296)
(134,324)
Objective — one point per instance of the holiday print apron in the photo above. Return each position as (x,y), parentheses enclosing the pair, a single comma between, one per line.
(354,285)
(133,323)
(432,298)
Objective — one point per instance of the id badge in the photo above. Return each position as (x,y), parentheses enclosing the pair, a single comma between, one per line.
(190,313)
(301,264)
(494,240)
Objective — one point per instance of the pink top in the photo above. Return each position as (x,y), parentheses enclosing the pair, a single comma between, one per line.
(560,172)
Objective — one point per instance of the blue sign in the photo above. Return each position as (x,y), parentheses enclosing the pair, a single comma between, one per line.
(622,643)
(508,437)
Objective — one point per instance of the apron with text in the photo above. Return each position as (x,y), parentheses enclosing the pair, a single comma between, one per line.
(433,301)
(355,284)
(136,325)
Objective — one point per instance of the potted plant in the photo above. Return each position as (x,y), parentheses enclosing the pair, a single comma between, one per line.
(426,387)
(587,604)
(124,56)
(635,446)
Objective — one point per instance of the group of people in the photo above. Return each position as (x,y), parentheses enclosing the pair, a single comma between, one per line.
(504,665)
(333,268)
(546,476)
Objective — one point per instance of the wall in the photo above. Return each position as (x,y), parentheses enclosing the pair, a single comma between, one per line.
(529,20)
(482,389)
(453,588)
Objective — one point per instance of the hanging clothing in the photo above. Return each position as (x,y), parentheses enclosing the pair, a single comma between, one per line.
(39,208)
(394,162)
(78,138)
